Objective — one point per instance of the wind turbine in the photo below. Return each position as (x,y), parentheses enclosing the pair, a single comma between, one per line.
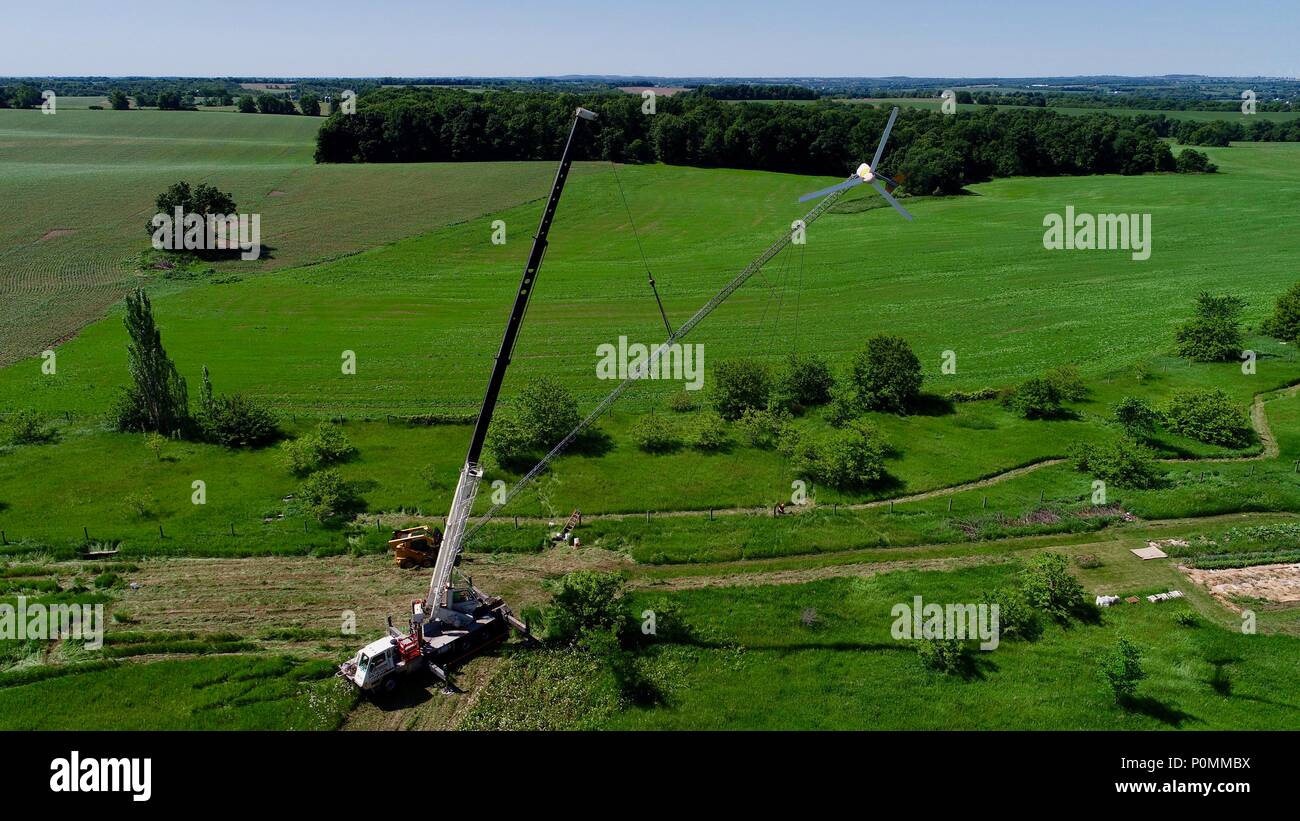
(867,173)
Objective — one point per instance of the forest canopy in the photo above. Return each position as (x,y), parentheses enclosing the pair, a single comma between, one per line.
(929,152)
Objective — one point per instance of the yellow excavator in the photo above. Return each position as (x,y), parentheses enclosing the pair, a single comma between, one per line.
(416,546)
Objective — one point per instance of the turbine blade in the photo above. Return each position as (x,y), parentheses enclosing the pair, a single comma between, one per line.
(889,198)
(880,149)
(849,183)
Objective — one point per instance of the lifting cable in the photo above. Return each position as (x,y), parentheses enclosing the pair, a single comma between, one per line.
(721,296)
(653,288)
(798,292)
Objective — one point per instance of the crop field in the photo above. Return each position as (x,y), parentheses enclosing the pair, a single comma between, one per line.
(79,188)
(235,604)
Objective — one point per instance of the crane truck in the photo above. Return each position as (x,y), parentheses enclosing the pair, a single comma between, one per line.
(454,622)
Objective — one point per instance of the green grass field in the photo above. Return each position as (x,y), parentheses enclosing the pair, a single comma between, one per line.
(423,316)
(821,656)
(421,304)
(220,693)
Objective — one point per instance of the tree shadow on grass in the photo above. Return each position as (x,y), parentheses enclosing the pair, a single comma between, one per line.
(976,665)
(592,443)
(1159,710)
(930,404)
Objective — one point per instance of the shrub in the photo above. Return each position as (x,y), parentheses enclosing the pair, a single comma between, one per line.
(325,495)
(582,602)
(887,374)
(326,445)
(1186,618)
(850,457)
(1016,616)
(846,405)
(709,432)
(1049,586)
(1121,462)
(507,439)
(1191,161)
(1136,416)
(1207,415)
(1068,383)
(236,421)
(978,395)
(1035,398)
(547,412)
(138,504)
(682,402)
(654,433)
(1088,561)
(106,580)
(1214,334)
(943,655)
(155,442)
(805,381)
(26,427)
(1121,669)
(1284,324)
(763,428)
(670,624)
(739,385)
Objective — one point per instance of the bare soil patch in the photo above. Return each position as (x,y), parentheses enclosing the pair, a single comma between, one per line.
(1273,583)
(55,233)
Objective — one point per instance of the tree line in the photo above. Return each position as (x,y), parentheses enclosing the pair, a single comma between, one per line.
(930,151)
(757,91)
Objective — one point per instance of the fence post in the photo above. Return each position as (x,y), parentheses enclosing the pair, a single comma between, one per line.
(950,504)
(891,505)
(3,539)
(232,528)
(1040,496)
(986,503)
(516,521)
(160,531)
(710,514)
(85,532)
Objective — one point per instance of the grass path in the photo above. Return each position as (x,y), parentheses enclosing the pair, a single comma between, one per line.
(1258,420)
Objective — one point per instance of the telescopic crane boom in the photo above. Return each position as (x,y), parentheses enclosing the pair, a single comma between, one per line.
(435,603)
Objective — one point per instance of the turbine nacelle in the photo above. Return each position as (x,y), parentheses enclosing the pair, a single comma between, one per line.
(867,173)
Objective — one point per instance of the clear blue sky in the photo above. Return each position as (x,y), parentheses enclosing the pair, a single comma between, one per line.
(958,38)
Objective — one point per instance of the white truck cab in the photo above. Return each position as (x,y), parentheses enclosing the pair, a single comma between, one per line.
(373,665)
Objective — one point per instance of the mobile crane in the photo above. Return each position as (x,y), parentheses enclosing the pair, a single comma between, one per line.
(452,623)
